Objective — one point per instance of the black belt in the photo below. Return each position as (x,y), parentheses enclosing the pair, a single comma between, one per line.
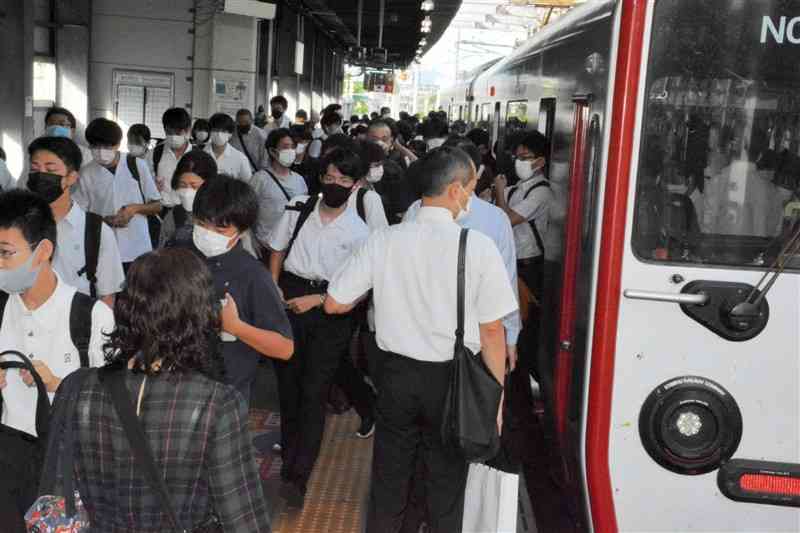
(294,285)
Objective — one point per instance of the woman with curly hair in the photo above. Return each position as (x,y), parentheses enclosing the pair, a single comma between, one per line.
(165,345)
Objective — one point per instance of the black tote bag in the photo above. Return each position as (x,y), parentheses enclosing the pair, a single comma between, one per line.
(21,454)
(469,424)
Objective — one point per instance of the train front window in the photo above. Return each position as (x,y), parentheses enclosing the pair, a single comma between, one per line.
(719,165)
(516,116)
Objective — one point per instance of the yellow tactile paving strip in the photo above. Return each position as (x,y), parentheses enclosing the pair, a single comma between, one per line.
(337,490)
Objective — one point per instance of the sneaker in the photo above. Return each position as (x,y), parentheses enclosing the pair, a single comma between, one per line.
(367,428)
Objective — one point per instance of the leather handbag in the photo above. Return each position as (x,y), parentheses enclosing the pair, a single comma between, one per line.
(114,384)
(469,423)
(21,454)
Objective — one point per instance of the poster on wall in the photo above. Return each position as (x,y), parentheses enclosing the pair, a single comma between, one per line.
(379,82)
(231,93)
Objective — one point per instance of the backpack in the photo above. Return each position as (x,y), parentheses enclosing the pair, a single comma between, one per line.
(536,234)
(360,207)
(80,322)
(158,153)
(91,244)
(305,210)
(153,222)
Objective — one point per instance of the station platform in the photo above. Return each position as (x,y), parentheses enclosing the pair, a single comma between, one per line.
(336,501)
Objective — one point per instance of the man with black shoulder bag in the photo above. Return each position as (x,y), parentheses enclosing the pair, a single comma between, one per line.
(440,296)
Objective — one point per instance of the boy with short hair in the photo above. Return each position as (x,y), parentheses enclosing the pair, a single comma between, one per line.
(254,322)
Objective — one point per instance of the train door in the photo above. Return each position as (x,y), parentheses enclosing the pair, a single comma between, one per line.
(495,131)
(705,368)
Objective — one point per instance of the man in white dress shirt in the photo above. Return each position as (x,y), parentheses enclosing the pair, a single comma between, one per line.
(108,187)
(37,314)
(230,161)
(276,185)
(411,268)
(164,158)
(313,240)
(54,163)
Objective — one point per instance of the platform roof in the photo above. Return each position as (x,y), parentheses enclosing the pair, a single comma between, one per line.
(401,32)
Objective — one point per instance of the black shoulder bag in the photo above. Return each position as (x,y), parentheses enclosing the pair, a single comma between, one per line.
(114,384)
(22,455)
(469,422)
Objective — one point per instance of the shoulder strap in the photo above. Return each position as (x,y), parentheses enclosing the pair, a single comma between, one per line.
(246,152)
(360,207)
(80,325)
(3,301)
(158,153)
(42,399)
(114,384)
(278,182)
(305,211)
(540,184)
(462,268)
(91,244)
(133,168)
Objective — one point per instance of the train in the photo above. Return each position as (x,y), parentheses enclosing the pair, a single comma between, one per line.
(671,310)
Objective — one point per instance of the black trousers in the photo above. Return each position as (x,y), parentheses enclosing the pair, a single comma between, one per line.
(319,340)
(358,392)
(531,271)
(411,397)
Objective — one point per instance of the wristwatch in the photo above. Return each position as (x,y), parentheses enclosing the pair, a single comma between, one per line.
(322,298)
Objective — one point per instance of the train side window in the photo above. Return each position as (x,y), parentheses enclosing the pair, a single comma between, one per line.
(547,117)
(516,115)
(485,117)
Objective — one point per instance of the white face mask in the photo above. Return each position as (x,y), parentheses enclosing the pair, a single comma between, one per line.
(104,156)
(176,141)
(220,138)
(201,136)
(375,174)
(286,157)
(524,169)
(464,211)
(187,198)
(301,148)
(435,143)
(210,243)
(136,150)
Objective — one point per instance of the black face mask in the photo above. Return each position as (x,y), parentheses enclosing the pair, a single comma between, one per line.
(335,195)
(244,130)
(46,185)
(277,113)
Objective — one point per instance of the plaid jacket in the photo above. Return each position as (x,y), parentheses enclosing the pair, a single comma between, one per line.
(198,432)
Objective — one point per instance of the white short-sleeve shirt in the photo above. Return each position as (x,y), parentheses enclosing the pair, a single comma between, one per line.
(373,209)
(320,249)
(495,224)
(7,181)
(166,168)
(43,334)
(412,268)
(232,162)
(271,200)
(70,256)
(535,207)
(101,192)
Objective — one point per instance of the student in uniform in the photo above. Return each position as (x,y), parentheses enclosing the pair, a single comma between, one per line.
(380,131)
(35,318)
(122,195)
(312,241)
(80,255)
(193,170)
(278,117)
(139,140)
(411,269)
(230,161)
(60,122)
(164,158)
(250,140)
(200,133)
(254,322)
(276,185)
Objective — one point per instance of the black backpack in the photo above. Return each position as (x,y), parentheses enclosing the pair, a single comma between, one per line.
(80,322)
(91,239)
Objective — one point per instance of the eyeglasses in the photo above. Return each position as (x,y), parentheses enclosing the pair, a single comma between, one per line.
(529,157)
(345,181)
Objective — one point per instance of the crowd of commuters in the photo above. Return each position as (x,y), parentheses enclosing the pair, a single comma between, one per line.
(236,240)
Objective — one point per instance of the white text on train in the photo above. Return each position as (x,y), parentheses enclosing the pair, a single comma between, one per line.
(783,30)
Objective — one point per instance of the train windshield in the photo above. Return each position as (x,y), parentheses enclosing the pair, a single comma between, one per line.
(719,166)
